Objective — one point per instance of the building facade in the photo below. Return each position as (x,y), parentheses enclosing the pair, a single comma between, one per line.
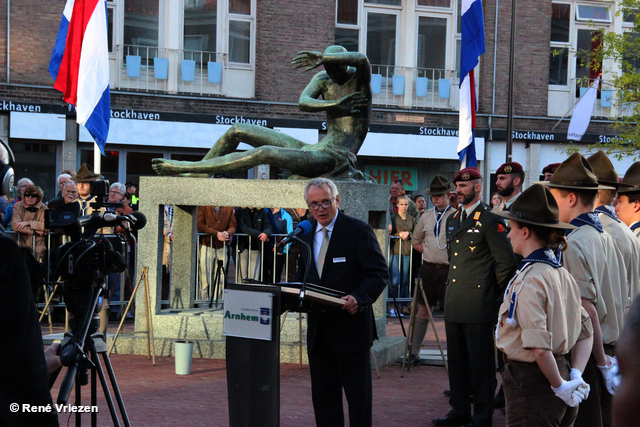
(183,71)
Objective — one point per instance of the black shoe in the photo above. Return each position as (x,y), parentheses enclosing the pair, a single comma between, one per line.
(447,393)
(449,420)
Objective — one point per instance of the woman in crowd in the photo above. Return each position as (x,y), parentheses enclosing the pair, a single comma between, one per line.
(28,220)
(497,202)
(22,185)
(400,230)
(541,320)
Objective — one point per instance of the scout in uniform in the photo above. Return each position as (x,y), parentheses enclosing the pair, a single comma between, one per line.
(628,206)
(593,260)
(481,263)
(541,320)
(623,237)
(430,239)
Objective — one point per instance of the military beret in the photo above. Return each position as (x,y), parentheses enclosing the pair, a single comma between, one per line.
(467,174)
(551,168)
(509,167)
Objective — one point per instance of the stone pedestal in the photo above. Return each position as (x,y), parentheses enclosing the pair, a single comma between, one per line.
(365,201)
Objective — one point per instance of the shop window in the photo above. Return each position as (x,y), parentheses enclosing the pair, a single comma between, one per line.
(109,163)
(139,164)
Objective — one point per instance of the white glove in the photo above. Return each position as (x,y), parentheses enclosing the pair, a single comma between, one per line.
(608,373)
(565,392)
(583,389)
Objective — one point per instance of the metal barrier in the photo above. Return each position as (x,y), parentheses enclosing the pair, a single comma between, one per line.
(403,260)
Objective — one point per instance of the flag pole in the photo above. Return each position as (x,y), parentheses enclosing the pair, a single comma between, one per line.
(512,56)
(96,158)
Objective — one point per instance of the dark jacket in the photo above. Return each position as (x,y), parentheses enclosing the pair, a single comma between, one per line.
(355,265)
(481,263)
(252,222)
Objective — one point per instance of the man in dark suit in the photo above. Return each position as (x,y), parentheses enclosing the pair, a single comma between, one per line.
(481,263)
(346,256)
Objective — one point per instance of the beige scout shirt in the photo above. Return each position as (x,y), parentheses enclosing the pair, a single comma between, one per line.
(548,314)
(597,266)
(434,250)
(629,247)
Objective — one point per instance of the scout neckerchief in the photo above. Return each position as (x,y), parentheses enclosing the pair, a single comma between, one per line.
(609,211)
(635,226)
(438,215)
(544,255)
(589,218)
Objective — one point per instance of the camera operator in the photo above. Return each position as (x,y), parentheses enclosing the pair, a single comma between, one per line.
(84,178)
(23,368)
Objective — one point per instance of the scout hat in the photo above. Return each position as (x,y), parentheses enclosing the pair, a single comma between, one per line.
(86,174)
(603,168)
(509,167)
(631,178)
(575,173)
(536,205)
(438,186)
(467,174)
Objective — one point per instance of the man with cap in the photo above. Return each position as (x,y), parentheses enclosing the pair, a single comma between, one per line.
(594,261)
(84,178)
(429,238)
(623,237)
(131,190)
(510,177)
(628,206)
(481,263)
(549,170)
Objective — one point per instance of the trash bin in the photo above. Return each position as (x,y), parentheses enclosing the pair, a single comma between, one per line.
(184,353)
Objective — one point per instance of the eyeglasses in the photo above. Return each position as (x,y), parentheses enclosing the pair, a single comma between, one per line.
(325,205)
(115,192)
(70,192)
(31,195)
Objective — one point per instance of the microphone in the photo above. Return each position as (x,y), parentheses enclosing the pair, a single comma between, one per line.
(136,218)
(303,228)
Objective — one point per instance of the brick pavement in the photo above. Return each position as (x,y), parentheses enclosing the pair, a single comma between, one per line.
(155,396)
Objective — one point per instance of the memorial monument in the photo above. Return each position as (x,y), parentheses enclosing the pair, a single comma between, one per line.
(343,90)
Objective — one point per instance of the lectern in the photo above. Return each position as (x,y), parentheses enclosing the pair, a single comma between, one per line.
(252,329)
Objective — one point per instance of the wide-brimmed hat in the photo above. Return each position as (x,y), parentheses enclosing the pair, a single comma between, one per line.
(603,168)
(575,173)
(86,174)
(632,179)
(536,205)
(439,185)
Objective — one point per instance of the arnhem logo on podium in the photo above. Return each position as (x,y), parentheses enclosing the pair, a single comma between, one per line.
(248,314)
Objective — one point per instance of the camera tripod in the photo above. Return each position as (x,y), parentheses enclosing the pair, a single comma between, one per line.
(79,352)
(219,278)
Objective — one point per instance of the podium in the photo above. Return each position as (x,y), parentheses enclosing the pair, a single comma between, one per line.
(252,329)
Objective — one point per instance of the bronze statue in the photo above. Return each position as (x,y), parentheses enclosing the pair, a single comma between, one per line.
(343,90)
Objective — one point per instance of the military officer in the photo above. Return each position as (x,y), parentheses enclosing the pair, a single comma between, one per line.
(597,266)
(628,206)
(509,180)
(481,263)
(623,237)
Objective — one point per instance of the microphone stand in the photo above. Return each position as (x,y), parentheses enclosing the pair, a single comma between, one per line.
(306,270)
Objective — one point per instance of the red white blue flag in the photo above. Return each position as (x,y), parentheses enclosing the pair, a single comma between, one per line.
(472,47)
(80,65)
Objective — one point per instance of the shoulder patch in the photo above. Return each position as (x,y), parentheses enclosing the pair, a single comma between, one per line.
(476,216)
(501,228)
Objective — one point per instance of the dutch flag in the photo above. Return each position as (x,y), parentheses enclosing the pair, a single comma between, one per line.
(472,47)
(80,65)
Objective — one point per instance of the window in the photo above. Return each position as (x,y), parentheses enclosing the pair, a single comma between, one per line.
(200,29)
(381,39)
(240,41)
(432,42)
(593,13)
(141,27)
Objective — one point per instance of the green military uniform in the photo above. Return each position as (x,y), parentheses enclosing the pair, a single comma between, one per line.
(481,263)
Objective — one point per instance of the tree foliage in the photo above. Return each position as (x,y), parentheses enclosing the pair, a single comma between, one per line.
(624,49)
